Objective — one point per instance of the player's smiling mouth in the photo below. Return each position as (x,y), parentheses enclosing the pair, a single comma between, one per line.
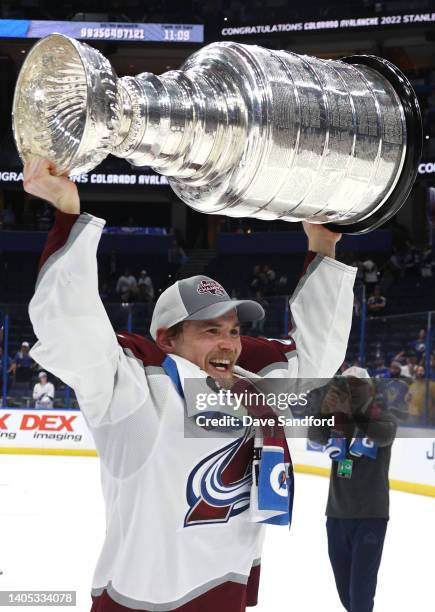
(221,365)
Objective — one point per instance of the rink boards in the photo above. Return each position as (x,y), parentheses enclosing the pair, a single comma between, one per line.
(64,432)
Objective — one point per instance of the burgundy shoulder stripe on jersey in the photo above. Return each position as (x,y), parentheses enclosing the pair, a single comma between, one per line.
(142,348)
(258,353)
(58,235)
(308,259)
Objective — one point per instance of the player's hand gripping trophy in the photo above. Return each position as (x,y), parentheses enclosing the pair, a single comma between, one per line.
(239,130)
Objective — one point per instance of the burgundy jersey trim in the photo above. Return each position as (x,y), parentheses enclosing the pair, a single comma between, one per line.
(228,597)
(258,353)
(58,235)
(308,259)
(142,348)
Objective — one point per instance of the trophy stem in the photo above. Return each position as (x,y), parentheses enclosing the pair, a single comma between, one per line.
(187,125)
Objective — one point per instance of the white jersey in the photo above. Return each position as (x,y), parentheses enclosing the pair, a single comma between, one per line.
(169,540)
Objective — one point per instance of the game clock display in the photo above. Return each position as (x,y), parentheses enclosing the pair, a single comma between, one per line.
(88,30)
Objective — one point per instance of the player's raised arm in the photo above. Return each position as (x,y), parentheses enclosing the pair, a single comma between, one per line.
(76,340)
(321,307)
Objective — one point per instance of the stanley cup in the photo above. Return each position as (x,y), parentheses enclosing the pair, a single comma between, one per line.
(239,130)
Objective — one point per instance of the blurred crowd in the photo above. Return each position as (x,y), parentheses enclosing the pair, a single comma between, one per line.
(406,384)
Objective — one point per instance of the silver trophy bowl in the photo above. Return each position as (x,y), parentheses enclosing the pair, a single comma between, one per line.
(239,130)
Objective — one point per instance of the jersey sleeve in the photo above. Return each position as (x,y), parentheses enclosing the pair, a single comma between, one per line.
(76,341)
(321,312)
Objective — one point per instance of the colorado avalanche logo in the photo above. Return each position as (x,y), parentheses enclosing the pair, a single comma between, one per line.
(219,487)
(210,286)
(278,480)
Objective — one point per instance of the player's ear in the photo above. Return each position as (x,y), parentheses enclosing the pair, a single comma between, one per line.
(165,340)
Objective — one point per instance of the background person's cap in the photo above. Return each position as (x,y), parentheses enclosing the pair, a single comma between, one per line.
(356,372)
(41,374)
(199,298)
(25,344)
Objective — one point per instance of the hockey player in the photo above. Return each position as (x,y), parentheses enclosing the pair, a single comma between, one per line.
(176,539)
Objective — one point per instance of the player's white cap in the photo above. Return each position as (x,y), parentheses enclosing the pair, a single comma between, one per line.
(356,372)
(41,374)
(199,298)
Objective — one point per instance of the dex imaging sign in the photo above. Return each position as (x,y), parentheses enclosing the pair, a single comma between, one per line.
(54,429)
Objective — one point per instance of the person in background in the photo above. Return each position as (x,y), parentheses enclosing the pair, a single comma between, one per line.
(358,502)
(257,327)
(22,364)
(395,369)
(427,263)
(43,392)
(420,343)
(380,370)
(269,273)
(371,276)
(416,397)
(391,391)
(410,367)
(412,260)
(126,286)
(376,303)
(176,257)
(255,277)
(145,287)
(259,281)
(283,285)
(395,265)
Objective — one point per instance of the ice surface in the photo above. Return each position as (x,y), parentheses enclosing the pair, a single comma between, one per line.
(52,529)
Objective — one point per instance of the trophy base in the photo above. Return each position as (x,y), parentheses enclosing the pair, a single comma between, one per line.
(411,109)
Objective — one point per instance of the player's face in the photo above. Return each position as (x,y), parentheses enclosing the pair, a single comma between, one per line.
(212,345)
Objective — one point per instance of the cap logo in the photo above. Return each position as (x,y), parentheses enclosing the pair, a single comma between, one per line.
(210,286)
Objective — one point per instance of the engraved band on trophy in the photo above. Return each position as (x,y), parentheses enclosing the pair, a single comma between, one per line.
(239,130)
